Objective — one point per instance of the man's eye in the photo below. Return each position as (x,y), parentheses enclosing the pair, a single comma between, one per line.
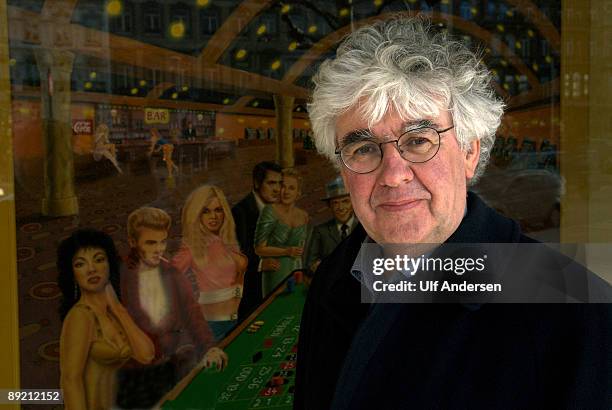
(364,149)
(417,141)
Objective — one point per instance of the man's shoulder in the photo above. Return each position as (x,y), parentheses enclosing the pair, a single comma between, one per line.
(337,265)
(324,226)
(246,204)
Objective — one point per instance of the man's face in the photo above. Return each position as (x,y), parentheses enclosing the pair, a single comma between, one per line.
(269,189)
(404,202)
(150,245)
(341,208)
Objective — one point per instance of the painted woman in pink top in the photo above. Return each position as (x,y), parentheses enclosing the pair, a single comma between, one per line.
(210,250)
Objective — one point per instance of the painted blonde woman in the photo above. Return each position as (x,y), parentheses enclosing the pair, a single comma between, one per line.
(103,148)
(98,335)
(210,250)
(167,148)
(281,232)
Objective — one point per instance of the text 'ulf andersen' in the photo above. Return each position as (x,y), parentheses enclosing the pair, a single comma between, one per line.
(435,286)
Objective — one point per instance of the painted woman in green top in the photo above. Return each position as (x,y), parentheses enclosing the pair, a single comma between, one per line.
(281,232)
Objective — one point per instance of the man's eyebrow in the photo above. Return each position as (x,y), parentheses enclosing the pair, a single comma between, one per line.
(423,122)
(364,133)
(355,136)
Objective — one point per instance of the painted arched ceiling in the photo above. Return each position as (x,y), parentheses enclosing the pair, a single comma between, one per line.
(239,53)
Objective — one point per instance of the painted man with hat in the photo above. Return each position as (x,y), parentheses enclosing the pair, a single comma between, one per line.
(326,236)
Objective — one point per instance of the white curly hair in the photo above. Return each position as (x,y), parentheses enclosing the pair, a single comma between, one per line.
(401,63)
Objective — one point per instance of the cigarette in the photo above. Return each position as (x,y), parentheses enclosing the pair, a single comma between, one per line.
(164,259)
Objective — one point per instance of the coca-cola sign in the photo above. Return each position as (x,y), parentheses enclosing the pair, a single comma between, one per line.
(80,127)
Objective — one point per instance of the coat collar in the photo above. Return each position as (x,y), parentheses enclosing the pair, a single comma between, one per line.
(481,225)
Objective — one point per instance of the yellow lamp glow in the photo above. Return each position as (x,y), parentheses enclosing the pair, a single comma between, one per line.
(241,120)
(261,29)
(226,100)
(114,7)
(285,9)
(275,65)
(88,85)
(535,67)
(379,3)
(241,54)
(501,28)
(220,130)
(177,29)
(548,59)
(312,29)
(518,45)
(474,11)
(12,62)
(93,75)
(504,63)
(255,103)
(134,91)
(174,96)
(530,33)
(292,46)
(185,88)
(343,12)
(142,83)
(202,3)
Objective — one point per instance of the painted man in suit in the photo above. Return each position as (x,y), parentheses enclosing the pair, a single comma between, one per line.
(189,133)
(326,236)
(266,190)
(161,302)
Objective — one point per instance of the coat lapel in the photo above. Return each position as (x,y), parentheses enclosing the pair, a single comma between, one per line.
(332,231)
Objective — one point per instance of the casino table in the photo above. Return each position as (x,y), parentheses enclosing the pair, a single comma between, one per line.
(261,369)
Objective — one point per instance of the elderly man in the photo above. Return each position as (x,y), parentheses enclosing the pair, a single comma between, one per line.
(410,118)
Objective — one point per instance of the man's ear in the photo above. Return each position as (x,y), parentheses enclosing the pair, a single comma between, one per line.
(471,158)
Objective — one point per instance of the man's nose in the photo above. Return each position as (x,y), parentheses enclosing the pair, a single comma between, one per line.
(394,170)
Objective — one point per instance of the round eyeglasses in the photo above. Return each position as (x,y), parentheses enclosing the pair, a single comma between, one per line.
(417,145)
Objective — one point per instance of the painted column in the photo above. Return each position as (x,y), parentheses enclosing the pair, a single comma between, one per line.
(55,67)
(9,301)
(283,105)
